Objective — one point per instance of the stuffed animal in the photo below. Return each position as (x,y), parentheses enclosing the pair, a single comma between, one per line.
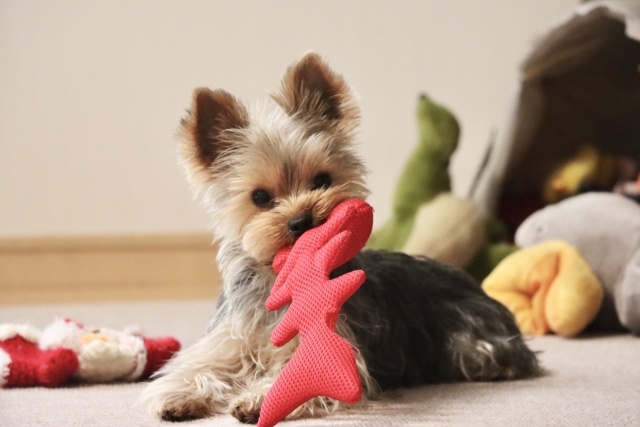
(630,189)
(66,350)
(548,287)
(587,170)
(324,364)
(107,355)
(427,219)
(424,176)
(24,364)
(449,228)
(605,229)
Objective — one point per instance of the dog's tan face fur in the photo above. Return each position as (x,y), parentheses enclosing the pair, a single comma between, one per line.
(258,170)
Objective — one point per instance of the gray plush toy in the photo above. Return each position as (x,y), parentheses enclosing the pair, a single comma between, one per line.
(605,228)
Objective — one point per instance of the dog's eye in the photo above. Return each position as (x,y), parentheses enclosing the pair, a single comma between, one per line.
(322,180)
(261,198)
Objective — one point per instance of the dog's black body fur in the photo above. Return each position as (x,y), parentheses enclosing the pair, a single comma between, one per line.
(417,320)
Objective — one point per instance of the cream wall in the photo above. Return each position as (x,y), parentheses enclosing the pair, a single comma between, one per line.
(91,92)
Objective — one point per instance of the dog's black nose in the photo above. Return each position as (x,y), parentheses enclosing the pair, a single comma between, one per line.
(299,224)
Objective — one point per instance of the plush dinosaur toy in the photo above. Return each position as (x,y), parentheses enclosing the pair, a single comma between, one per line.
(449,229)
(427,218)
(424,176)
(324,364)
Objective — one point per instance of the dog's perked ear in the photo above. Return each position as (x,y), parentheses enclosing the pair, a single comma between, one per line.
(312,92)
(205,130)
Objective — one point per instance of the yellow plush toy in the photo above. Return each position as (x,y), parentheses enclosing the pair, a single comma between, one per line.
(587,169)
(548,287)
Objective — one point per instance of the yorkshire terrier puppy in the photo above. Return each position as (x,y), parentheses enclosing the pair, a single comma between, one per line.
(269,174)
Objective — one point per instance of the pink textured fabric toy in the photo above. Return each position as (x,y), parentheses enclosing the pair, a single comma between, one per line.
(324,363)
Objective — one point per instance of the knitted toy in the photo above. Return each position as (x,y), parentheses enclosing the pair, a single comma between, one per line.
(548,287)
(324,363)
(24,364)
(605,229)
(67,350)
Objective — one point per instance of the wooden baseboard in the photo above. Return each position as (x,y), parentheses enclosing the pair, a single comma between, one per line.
(101,268)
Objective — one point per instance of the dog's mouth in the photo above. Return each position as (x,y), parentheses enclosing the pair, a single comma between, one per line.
(293,237)
(316,222)
(301,223)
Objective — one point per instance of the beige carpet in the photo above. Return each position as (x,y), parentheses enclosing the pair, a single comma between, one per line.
(592,381)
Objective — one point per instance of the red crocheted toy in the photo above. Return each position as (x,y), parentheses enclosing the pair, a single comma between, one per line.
(66,350)
(324,363)
(24,364)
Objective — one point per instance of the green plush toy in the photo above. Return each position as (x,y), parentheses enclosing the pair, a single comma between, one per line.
(427,219)
(425,175)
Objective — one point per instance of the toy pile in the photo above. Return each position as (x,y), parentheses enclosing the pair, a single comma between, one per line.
(565,177)
(552,226)
(597,285)
(66,351)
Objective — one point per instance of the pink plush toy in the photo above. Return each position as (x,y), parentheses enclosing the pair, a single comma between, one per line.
(324,363)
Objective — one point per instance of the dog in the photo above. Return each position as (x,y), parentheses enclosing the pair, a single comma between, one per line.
(271,173)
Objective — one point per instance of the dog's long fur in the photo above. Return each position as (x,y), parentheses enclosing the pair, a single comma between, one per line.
(292,160)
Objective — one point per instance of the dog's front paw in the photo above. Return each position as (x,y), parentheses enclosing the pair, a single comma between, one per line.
(184,411)
(246,408)
(176,400)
